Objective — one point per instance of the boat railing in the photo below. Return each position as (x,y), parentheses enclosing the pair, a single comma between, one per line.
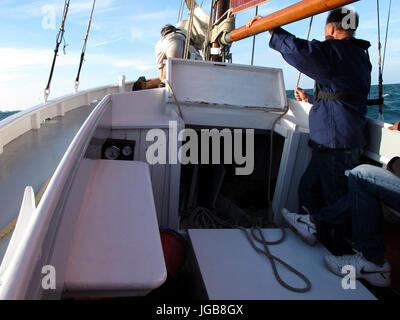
(29,248)
(32,118)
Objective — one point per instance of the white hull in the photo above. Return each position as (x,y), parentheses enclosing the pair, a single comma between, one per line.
(45,235)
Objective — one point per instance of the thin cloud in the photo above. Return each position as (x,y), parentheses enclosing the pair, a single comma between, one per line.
(34,8)
(12,59)
(96,43)
(136,64)
(164,15)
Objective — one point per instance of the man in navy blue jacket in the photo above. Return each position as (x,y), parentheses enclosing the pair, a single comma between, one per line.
(341,69)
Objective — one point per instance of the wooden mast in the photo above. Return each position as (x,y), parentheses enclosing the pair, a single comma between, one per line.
(222,8)
(298,11)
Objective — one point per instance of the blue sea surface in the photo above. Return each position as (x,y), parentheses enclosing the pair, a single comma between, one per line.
(6,114)
(391,108)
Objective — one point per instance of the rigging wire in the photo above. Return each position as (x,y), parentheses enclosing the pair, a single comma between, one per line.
(59,40)
(380,65)
(308,37)
(386,36)
(189,30)
(180,12)
(254,42)
(85,40)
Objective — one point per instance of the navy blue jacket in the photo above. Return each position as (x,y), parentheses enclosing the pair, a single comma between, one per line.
(338,66)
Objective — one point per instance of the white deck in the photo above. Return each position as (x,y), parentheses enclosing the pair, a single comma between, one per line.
(31,159)
(232,270)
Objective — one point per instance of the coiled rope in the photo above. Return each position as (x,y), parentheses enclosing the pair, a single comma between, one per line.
(273,259)
(204,218)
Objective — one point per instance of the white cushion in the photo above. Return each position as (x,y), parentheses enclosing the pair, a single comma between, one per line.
(117,249)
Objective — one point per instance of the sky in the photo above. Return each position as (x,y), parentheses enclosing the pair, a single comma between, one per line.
(122,40)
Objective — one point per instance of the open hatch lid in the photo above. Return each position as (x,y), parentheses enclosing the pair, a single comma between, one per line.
(203,83)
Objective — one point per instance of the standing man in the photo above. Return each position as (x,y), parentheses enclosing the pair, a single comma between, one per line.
(341,69)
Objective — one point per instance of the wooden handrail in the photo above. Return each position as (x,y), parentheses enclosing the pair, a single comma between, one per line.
(298,11)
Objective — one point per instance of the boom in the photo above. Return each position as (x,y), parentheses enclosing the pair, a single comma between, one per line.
(298,11)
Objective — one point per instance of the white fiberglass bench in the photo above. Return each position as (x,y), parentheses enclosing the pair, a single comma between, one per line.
(230,269)
(116,251)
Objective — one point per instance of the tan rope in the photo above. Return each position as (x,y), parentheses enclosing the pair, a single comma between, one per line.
(175,98)
(308,37)
(189,30)
(180,12)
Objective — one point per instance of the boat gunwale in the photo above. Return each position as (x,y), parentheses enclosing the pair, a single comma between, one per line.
(15,279)
(35,112)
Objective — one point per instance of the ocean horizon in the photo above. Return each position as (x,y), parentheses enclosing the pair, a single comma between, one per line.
(391,108)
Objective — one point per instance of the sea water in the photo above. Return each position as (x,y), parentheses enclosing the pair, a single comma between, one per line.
(391,108)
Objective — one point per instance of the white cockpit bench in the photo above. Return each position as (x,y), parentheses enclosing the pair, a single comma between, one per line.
(230,269)
(116,251)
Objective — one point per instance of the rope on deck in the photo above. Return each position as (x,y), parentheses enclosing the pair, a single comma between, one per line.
(204,218)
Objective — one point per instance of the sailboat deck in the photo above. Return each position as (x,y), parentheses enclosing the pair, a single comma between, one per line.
(31,159)
(232,270)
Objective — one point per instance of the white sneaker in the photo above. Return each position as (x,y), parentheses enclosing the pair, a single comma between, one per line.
(302,225)
(376,275)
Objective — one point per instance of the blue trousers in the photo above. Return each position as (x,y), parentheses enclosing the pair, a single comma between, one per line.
(369,186)
(324,181)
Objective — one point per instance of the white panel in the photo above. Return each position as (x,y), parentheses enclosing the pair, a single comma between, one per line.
(227,117)
(298,112)
(140,109)
(135,136)
(157,172)
(384,143)
(119,134)
(222,84)
(18,128)
(48,113)
(232,270)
